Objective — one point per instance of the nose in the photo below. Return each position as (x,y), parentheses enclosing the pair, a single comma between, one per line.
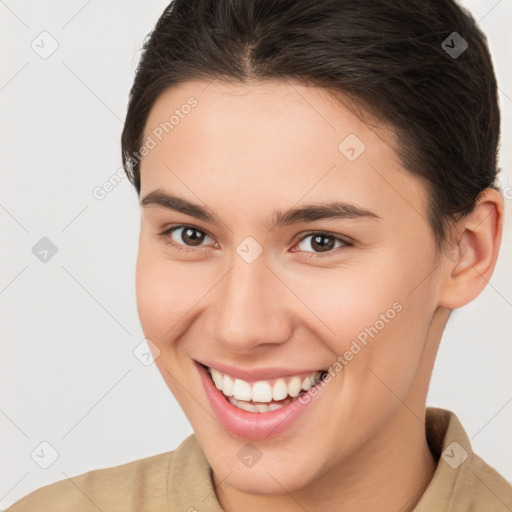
(251,308)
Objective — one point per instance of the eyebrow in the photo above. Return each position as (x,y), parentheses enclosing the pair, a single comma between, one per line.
(307,213)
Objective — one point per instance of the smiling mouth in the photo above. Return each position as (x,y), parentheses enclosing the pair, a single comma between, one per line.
(263,395)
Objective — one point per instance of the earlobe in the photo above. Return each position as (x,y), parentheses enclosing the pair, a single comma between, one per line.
(472,258)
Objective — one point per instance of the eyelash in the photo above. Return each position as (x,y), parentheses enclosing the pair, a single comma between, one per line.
(165,236)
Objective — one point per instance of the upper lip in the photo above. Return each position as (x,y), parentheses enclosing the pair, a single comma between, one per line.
(255,374)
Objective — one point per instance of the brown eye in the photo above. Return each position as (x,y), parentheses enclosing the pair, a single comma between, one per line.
(190,236)
(184,238)
(322,243)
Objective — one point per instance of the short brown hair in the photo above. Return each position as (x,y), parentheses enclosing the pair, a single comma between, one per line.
(389,56)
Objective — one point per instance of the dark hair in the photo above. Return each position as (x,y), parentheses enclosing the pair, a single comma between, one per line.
(390,57)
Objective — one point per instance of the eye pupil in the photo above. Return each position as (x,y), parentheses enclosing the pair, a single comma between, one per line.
(195,240)
(319,240)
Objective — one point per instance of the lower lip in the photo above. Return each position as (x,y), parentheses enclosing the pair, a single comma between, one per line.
(250,425)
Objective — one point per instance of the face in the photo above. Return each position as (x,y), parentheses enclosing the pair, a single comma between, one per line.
(268,297)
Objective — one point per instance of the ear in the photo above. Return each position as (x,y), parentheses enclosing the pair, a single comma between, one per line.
(472,258)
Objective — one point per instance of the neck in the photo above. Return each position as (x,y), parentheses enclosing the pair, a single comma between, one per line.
(390,473)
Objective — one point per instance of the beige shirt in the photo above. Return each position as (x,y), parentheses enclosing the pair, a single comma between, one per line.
(180,481)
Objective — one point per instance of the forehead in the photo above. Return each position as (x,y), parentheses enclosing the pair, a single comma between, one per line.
(267,102)
(271,141)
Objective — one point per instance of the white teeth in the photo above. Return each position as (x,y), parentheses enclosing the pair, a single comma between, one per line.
(294,386)
(261,392)
(262,408)
(306,383)
(227,386)
(242,390)
(246,406)
(280,390)
(241,405)
(217,378)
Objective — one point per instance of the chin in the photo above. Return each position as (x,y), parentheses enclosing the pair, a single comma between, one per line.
(266,481)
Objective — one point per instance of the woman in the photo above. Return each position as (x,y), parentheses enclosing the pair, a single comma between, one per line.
(318,192)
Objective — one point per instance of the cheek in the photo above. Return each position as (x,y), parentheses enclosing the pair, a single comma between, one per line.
(345,303)
(370,316)
(168,294)
(164,297)
(158,292)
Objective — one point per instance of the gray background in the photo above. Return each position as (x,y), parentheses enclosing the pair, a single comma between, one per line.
(69,376)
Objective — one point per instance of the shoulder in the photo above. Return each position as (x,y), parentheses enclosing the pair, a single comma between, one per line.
(118,488)
(463,481)
(490,488)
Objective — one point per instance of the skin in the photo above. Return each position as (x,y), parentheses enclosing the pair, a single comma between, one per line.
(269,146)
